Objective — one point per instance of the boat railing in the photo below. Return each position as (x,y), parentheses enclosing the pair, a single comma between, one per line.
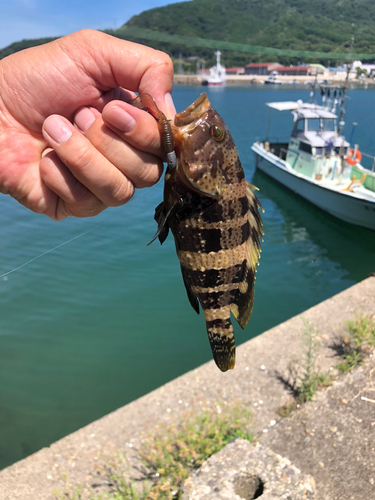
(278,148)
(283,153)
(373,161)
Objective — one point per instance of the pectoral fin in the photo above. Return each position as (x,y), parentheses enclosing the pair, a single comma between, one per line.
(162,220)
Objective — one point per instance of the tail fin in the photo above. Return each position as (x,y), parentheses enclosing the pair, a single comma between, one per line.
(221,337)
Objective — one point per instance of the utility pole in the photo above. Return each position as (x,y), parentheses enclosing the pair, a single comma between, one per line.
(180,70)
(348,68)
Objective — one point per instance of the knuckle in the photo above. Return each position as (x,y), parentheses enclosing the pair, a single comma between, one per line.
(150,174)
(84,210)
(165,62)
(121,192)
(82,157)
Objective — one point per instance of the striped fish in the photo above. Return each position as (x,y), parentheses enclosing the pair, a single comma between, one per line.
(213,214)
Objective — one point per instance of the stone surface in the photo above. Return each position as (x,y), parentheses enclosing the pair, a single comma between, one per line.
(248,471)
(333,437)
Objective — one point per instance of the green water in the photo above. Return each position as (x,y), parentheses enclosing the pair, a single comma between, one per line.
(105,319)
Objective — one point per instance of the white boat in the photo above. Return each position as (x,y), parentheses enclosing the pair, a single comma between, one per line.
(318,164)
(218,75)
(273,79)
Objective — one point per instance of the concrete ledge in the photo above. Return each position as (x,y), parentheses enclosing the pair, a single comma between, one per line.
(253,382)
(238,80)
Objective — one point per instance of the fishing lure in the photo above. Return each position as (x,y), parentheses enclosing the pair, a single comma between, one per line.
(146,102)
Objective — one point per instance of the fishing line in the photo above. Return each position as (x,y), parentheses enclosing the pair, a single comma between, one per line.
(140,194)
(52,249)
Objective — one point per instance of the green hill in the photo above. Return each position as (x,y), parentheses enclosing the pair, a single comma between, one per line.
(311,25)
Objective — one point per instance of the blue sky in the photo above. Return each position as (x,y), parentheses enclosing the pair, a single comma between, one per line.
(21,19)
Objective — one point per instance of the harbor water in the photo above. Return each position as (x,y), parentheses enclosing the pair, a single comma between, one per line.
(100,319)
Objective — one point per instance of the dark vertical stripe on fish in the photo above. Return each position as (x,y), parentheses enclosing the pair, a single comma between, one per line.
(213,240)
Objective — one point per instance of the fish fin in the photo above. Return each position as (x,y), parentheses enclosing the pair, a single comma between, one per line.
(243,305)
(221,337)
(191,295)
(163,229)
(162,219)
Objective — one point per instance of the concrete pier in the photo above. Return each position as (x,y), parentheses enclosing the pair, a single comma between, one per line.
(332,438)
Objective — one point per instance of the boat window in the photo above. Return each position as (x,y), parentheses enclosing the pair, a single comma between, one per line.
(319,151)
(303,146)
(321,124)
(342,150)
(299,127)
(328,124)
(313,124)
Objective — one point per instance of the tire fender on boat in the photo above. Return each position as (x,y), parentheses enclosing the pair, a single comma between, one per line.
(352,158)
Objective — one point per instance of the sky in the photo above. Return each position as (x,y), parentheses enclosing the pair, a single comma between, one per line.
(23,19)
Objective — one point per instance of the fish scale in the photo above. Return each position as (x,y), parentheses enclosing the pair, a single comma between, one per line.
(213,214)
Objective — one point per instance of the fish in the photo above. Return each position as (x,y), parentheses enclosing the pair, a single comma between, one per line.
(213,214)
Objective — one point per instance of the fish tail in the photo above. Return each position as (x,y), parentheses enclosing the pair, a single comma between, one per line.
(221,337)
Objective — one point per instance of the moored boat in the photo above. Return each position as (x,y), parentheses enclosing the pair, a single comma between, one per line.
(217,76)
(273,79)
(319,164)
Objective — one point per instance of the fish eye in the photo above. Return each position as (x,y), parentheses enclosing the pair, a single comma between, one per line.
(217,133)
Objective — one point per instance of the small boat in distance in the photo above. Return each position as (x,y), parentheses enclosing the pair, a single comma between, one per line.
(318,163)
(273,79)
(217,76)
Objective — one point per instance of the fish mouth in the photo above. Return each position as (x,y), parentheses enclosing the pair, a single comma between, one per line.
(193,112)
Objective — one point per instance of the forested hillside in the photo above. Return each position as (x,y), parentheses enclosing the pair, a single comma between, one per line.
(312,25)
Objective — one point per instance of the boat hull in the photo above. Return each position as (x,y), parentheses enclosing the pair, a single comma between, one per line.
(216,84)
(337,203)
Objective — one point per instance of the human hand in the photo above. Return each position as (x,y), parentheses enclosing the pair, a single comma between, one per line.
(114,146)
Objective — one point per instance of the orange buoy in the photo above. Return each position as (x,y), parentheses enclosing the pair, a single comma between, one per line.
(353,159)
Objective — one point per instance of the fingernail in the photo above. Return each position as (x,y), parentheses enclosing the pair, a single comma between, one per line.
(57,128)
(169,105)
(83,119)
(120,119)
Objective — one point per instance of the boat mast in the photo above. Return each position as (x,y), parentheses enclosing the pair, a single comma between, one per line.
(348,68)
(217,54)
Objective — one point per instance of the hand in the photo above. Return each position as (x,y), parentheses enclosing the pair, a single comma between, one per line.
(83,78)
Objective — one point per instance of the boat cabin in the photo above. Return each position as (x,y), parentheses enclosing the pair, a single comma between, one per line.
(315,148)
(315,162)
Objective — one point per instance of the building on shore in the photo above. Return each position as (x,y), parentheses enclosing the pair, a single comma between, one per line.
(267,68)
(261,68)
(295,70)
(235,71)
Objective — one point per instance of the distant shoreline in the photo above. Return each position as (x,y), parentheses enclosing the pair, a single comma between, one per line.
(248,80)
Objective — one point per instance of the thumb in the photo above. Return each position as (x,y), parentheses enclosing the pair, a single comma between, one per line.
(119,63)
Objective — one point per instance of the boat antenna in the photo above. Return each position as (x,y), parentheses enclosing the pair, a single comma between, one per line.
(352,132)
(315,84)
(348,69)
